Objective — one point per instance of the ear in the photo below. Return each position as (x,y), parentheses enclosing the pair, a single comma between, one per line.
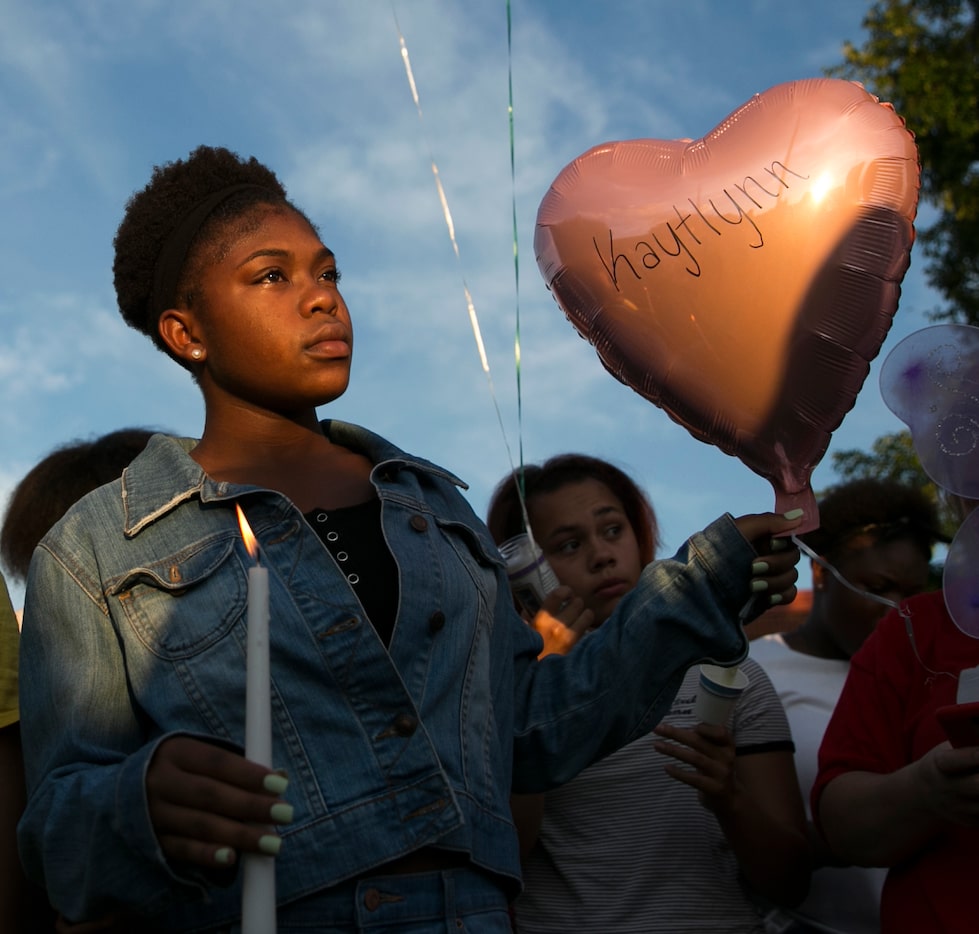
(181,333)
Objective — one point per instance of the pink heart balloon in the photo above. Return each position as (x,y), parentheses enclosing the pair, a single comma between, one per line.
(744,281)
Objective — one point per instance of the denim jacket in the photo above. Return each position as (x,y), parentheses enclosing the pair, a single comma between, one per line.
(135,630)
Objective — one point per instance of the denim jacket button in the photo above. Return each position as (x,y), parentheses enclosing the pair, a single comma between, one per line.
(372,899)
(405,724)
(418,523)
(436,621)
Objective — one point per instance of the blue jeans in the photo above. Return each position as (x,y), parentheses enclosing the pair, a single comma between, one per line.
(452,901)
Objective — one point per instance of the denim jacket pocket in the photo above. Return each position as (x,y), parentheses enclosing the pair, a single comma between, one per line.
(205,579)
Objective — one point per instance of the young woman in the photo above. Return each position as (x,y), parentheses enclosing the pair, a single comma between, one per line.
(683,828)
(407,697)
(38,501)
(878,536)
(58,481)
(891,790)
(898,782)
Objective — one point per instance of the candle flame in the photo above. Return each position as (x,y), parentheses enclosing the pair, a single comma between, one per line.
(251,543)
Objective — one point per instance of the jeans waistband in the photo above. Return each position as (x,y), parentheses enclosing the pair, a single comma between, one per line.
(404,899)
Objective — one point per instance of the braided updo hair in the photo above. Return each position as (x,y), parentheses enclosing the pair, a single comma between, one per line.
(154,217)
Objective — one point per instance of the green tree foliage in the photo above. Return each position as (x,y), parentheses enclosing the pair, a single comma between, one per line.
(922,56)
(892,457)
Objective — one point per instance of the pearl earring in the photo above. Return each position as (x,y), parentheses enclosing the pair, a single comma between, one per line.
(197,353)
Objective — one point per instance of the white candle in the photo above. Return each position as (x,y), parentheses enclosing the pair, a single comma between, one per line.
(258,870)
(258,702)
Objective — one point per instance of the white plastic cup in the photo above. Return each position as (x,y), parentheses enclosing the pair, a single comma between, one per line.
(717,693)
(531,577)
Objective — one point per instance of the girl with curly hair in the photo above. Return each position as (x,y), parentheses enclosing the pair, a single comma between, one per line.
(407,697)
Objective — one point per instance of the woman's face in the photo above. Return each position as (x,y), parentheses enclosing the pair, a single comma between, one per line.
(894,570)
(274,328)
(586,538)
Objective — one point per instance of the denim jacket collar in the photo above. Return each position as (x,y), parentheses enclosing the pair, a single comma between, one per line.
(162,478)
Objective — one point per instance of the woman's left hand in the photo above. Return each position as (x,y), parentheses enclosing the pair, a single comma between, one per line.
(773,572)
(709,752)
(561,621)
(756,802)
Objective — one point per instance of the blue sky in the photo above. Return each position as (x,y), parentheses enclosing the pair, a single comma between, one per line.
(96,93)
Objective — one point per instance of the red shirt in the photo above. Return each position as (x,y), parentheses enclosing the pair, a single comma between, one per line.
(884,720)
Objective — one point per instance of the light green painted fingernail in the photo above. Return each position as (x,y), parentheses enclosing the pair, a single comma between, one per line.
(269,844)
(276,784)
(795,514)
(759,567)
(775,598)
(281,813)
(757,586)
(224,856)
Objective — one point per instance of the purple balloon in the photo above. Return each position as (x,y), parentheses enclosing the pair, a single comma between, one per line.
(931,382)
(960,581)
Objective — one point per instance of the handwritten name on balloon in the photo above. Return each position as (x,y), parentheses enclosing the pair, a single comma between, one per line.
(681,235)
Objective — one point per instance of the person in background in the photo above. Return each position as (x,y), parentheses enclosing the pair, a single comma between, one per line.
(679,830)
(407,697)
(22,906)
(58,481)
(891,790)
(38,501)
(878,535)
(898,779)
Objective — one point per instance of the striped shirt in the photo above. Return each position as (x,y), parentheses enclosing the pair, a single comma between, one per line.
(625,848)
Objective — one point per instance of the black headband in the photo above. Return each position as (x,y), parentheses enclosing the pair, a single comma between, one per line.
(883,532)
(173,253)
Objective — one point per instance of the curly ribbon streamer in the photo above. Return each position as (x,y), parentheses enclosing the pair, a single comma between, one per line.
(447,214)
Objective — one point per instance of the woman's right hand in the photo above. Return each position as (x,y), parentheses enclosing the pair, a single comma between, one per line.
(208,803)
(561,621)
(885,818)
(948,782)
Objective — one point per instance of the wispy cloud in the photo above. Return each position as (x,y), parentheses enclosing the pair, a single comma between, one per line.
(97,93)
